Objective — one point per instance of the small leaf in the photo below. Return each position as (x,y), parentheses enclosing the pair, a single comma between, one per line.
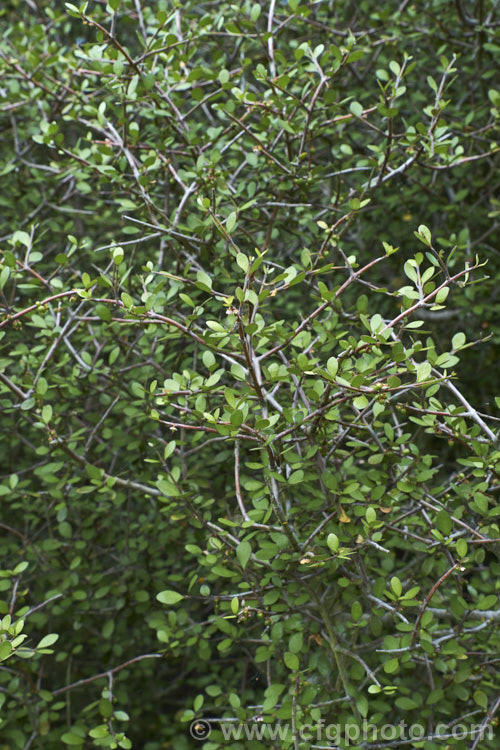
(370,515)
(22,237)
(204,279)
(255,12)
(243,552)
(5,649)
(461,547)
(441,295)
(333,542)
(424,235)
(296,477)
(391,666)
(389,249)
(99,732)
(423,371)
(360,402)
(487,602)
(72,739)
(48,640)
(169,597)
(208,359)
(117,255)
(407,704)
(231,221)
(410,271)
(47,413)
(291,660)
(356,611)
(396,586)
(443,522)
(242,261)
(481,699)
(295,643)
(458,341)
(234,700)
(127,300)
(238,371)
(332,366)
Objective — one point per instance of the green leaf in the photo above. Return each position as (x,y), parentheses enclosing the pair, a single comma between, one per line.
(48,640)
(237,418)
(255,12)
(238,372)
(407,704)
(231,222)
(243,553)
(204,280)
(395,67)
(169,597)
(105,707)
(103,312)
(296,477)
(424,370)
(442,295)
(424,235)
(117,254)
(5,649)
(481,698)
(234,700)
(72,739)
(396,586)
(389,249)
(362,705)
(333,542)
(458,341)
(208,359)
(22,237)
(356,109)
(410,271)
(243,262)
(461,547)
(391,666)
(370,515)
(332,366)
(47,413)
(443,522)
(487,602)
(356,611)
(295,643)
(99,732)
(291,660)
(127,300)
(360,402)
(167,488)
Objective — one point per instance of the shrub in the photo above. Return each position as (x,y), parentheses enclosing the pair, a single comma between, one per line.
(250,461)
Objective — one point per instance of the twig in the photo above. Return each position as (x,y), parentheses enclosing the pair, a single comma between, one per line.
(86,680)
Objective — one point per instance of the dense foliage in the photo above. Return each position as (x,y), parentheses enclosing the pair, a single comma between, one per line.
(249,448)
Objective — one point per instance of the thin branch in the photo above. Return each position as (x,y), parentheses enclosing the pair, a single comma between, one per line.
(86,680)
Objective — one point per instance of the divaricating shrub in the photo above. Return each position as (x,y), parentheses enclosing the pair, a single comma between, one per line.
(249,471)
